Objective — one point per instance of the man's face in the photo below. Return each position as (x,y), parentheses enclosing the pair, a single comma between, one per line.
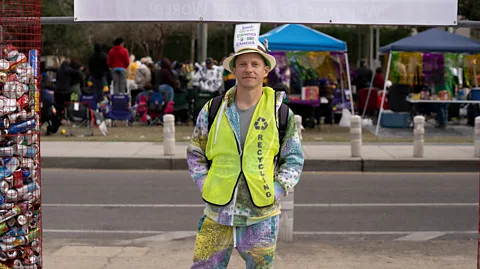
(209,65)
(250,70)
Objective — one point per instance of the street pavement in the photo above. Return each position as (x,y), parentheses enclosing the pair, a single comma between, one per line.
(125,219)
(318,157)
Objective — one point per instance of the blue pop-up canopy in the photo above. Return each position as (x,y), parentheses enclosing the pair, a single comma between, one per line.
(298,37)
(434,40)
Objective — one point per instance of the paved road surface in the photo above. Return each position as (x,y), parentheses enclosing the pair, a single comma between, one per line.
(85,204)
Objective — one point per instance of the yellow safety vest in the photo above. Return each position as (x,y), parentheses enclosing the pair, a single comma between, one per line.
(257,162)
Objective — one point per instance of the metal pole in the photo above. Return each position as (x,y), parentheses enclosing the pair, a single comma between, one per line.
(203,42)
(370,54)
(368,95)
(384,92)
(192,44)
(377,43)
(347,63)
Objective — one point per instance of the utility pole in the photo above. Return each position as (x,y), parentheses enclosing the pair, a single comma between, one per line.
(202,42)
(192,44)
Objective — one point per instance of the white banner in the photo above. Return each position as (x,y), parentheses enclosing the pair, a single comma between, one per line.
(376,12)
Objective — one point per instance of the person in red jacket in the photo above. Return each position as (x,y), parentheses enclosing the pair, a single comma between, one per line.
(119,60)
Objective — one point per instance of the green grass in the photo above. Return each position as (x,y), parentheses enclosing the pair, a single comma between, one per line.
(327,133)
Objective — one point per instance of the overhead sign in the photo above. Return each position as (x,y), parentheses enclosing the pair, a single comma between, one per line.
(373,12)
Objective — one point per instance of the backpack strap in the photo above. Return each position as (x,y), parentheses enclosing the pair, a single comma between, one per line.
(213,107)
(282,122)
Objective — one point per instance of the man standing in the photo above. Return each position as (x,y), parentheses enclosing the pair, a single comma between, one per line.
(243,162)
(97,64)
(119,60)
(211,77)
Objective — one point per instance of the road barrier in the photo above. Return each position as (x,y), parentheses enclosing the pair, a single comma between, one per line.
(168,135)
(286,218)
(476,141)
(418,136)
(356,136)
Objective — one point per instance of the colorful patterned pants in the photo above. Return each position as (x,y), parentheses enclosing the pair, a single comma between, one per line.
(256,244)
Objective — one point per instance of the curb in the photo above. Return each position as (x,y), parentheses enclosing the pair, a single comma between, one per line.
(332,165)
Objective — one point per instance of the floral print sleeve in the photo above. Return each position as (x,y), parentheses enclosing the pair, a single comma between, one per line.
(196,159)
(291,159)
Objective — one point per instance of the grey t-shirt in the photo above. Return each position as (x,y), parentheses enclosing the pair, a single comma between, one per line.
(245,119)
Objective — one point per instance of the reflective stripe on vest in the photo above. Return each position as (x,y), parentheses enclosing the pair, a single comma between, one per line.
(257,161)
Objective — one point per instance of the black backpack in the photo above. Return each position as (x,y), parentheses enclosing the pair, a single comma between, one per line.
(214,105)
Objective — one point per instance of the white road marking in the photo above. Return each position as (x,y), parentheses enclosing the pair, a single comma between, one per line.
(388,205)
(381,232)
(296,233)
(296,205)
(420,236)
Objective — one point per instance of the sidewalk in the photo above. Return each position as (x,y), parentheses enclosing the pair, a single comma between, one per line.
(318,157)
(313,254)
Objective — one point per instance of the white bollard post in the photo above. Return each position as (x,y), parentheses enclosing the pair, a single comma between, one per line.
(298,120)
(168,135)
(356,136)
(477,137)
(418,136)
(286,218)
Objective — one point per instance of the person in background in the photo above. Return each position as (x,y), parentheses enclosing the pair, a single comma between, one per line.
(119,60)
(378,80)
(228,78)
(211,77)
(97,64)
(164,80)
(77,80)
(363,76)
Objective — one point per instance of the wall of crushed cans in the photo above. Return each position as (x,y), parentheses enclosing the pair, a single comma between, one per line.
(20,183)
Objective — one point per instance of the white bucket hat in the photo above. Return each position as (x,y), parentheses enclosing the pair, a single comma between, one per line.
(269,59)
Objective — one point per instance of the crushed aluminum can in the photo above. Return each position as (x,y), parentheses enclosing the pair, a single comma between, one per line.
(7,105)
(17,263)
(28,163)
(4,123)
(33,224)
(33,61)
(25,78)
(6,151)
(36,245)
(21,103)
(11,222)
(17,181)
(3,77)
(4,187)
(23,68)
(21,58)
(4,64)
(30,187)
(34,259)
(14,89)
(12,77)
(22,220)
(26,151)
(12,254)
(13,55)
(11,196)
(12,164)
(7,206)
(3,257)
(4,247)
